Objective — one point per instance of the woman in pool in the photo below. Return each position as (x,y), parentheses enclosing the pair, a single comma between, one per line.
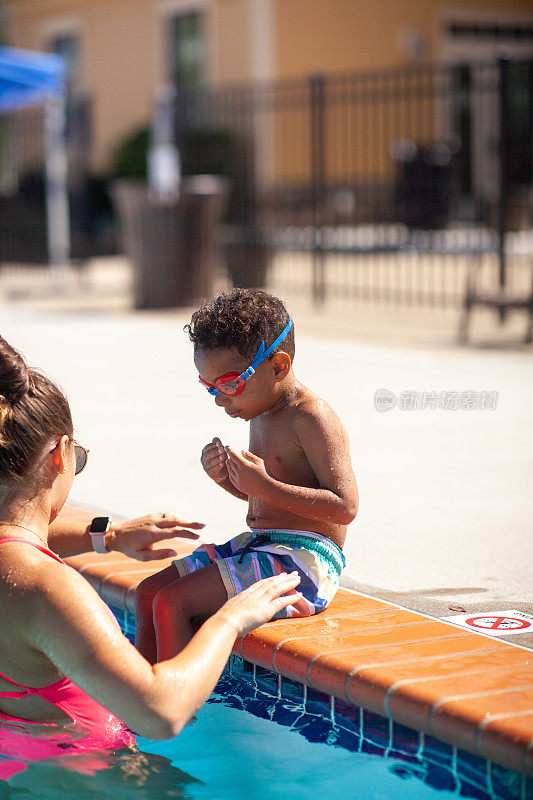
(62,656)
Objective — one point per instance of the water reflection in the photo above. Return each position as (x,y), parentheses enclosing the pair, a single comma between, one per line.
(52,761)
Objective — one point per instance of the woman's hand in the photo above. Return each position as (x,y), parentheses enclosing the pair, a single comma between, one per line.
(247,472)
(214,458)
(260,602)
(136,537)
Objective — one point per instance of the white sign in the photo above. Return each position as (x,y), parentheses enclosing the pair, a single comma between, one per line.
(495,623)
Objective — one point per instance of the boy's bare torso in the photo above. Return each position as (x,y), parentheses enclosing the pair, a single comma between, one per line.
(274,438)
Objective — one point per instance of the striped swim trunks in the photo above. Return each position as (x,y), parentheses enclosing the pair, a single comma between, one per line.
(257,554)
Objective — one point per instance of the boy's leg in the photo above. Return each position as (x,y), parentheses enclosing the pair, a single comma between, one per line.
(145,640)
(198,594)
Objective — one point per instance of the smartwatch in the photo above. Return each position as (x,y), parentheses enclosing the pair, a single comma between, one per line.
(99,528)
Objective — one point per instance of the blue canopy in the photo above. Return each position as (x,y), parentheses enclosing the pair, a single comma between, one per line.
(27,77)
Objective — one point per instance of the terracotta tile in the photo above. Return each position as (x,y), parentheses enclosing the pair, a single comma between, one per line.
(412,702)
(105,572)
(350,633)
(258,650)
(358,602)
(501,657)
(114,588)
(88,559)
(307,626)
(508,740)
(107,569)
(332,669)
(129,599)
(344,621)
(370,679)
(263,639)
(457,720)
(351,636)
(296,657)
(95,582)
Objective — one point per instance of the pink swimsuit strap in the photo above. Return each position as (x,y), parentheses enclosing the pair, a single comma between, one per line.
(40,547)
(39,690)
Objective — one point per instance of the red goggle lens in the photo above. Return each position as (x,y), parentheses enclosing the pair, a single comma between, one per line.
(230,384)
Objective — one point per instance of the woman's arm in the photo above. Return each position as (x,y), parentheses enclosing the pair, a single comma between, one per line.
(71,625)
(69,534)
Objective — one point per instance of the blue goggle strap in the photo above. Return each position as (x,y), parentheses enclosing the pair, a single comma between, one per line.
(262,353)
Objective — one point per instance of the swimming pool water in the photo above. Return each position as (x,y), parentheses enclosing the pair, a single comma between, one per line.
(264,737)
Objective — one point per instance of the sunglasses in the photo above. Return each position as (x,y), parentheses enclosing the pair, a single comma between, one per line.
(81,455)
(233,383)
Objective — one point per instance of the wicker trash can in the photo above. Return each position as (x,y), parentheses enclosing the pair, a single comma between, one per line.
(171,245)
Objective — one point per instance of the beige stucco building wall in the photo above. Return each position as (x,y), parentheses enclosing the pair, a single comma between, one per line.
(344,35)
(123,42)
(123,52)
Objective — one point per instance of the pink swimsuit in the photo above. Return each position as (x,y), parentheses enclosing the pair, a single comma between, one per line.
(103,728)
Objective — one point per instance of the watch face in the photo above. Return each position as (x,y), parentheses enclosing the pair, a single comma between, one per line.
(99,525)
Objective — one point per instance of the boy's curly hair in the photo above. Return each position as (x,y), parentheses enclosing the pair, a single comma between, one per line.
(239,320)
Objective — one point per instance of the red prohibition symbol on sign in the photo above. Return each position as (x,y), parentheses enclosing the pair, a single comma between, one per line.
(498,623)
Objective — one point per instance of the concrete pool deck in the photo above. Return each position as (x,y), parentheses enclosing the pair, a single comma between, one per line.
(469,690)
(445,495)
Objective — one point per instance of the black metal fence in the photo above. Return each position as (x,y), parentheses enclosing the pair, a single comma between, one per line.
(23,223)
(376,186)
(380,186)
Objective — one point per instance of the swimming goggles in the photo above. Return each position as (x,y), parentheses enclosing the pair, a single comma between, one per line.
(232,384)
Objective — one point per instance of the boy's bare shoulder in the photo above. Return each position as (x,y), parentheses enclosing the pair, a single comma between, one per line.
(313,412)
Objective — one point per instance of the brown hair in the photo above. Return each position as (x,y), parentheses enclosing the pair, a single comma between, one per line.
(240,320)
(33,410)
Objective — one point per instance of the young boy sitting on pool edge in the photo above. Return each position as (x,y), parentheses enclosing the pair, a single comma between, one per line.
(296,477)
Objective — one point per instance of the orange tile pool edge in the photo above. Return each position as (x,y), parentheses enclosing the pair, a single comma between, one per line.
(464,688)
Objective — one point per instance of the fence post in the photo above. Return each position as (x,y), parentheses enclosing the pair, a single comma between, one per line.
(503,149)
(57,202)
(318,142)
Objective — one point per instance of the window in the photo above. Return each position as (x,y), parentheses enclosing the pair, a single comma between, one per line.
(186,50)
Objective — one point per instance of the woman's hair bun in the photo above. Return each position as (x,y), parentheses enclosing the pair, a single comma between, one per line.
(15,379)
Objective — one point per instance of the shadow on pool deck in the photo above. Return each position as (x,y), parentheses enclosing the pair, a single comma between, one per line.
(104,285)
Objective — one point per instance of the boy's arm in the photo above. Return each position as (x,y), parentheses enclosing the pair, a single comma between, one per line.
(325,444)
(229,487)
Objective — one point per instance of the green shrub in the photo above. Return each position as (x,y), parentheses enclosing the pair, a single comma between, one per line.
(202,152)
(129,158)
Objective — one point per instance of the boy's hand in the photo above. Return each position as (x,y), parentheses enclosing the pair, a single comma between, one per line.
(214,459)
(247,472)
